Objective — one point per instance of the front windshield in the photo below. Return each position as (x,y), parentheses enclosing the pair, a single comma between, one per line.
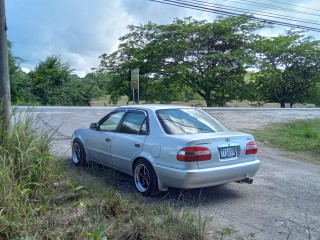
(188,120)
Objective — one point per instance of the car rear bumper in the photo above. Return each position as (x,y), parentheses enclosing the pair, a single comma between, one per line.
(198,178)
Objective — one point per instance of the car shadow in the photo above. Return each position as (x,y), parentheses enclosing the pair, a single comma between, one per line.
(201,196)
(177,197)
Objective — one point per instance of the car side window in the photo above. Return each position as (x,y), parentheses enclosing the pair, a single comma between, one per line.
(111,122)
(134,123)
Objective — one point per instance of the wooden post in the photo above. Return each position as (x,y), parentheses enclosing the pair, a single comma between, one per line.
(5,100)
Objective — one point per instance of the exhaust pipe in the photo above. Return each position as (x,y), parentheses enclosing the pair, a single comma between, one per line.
(246,180)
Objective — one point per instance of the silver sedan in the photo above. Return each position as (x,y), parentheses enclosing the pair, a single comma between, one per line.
(164,146)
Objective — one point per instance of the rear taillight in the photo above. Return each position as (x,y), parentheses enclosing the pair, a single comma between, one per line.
(194,154)
(251,148)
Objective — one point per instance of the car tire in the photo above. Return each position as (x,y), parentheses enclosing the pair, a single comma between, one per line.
(145,178)
(78,153)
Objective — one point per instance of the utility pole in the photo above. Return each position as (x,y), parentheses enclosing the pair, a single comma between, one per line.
(5,99)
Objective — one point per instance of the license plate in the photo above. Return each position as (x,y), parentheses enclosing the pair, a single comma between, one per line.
(227,152)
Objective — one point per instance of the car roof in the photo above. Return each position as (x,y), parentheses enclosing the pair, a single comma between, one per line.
(154,106)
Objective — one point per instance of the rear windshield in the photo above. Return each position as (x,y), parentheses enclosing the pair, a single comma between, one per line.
(188,120)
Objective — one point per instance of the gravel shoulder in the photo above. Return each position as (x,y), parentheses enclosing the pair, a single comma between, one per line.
(282,202)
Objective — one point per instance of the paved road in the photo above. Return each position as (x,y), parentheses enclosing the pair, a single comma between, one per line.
(282,203)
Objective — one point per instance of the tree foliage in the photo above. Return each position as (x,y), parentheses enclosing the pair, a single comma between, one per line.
(19,81)
(49,80)
(208,57)
(315,99)
(94,85)
(289,68)
(53,83)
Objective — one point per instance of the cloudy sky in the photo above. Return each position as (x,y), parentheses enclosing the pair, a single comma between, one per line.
(80,31)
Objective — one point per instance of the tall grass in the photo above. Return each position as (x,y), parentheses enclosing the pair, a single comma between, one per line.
(25,174)
(42,197)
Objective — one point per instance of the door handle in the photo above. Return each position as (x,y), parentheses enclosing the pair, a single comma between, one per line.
(137,145)
(107,139)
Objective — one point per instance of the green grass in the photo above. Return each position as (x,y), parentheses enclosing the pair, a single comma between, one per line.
(301,136)
(90,206)
(42,197)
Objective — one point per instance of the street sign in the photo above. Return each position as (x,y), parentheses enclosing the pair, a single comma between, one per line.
(135,78)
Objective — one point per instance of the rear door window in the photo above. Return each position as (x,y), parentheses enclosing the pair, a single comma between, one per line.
(134,123)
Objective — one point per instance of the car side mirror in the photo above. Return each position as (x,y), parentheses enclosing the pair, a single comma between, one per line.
(93,126)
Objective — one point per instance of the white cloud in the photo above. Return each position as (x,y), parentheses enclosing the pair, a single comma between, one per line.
(26,70)
(79,33)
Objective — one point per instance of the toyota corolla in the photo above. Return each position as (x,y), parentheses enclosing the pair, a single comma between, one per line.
(164,146)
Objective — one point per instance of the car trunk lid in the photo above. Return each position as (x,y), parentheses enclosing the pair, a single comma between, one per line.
(226,148)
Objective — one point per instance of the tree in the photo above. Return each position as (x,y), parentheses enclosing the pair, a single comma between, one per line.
(20,82)
(316,96)
(48,80)
(151,84)
(94,85)
(53,83)
(289,68)
(208,57)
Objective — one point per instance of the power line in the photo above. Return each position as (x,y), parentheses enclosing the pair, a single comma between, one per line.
(264,14)
(257,4)
(235,12)
(290,4)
